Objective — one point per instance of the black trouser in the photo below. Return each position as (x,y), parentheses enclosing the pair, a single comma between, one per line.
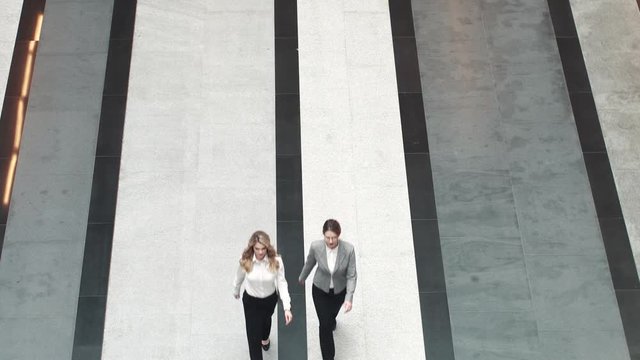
(327,307)
(257,318)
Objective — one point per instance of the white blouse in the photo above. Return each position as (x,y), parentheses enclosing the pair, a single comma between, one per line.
(261,282)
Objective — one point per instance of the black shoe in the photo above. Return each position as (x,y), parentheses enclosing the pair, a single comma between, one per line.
(266,347)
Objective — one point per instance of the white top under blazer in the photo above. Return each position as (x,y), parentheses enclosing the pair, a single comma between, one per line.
(261,282)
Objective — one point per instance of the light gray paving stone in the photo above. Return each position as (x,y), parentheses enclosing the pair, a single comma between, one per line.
(623,130)
(350,133)
(539,203)
(175,26)
(369,6)
(364,48)
(544,153)
(475,204)
(248,37)
(617,71)
(573,293)
(609,37)
(495,335)
(539,96)
(76,27)
(196,185)
(593,22)
(171,144)
(476,130)
(130,336)
(48,208)
(626,184)
(54,336)
(51,151)
(40,279)
(445,7)
(487,160)
(9,20)
(485,274)
(68,82)
(513,38)
(581,344)
(559,235)
(513,6)
(462,25)
(6,53)
(457,73)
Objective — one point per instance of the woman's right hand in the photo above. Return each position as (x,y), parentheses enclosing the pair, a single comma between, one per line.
(236,296)
(288,316)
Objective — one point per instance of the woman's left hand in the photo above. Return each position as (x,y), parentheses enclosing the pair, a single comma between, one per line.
(288,316)
(347,306)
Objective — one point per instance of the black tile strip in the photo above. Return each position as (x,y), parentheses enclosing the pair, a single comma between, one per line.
(629,304)
(4,211)
(619,254)
(292,339)
(603,185)
(89,334)
(575,71)
(287,66)
(562,18)
(612,225)
(104,190)
(587,122)
(89,329)
(111,126)
(14,103)
(95,274)
(406,58)
(434,308)
(8,126)
(436,323)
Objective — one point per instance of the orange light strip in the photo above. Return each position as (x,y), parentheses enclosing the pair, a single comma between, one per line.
(20,112)
(36,36)
(7,187)
(28,70)
(19,122)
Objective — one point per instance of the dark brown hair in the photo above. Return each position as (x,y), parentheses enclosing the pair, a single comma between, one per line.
(331,225)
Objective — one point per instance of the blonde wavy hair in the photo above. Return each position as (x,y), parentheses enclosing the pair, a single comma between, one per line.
(246,261)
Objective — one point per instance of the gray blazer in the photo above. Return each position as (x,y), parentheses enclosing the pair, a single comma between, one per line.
(344,274)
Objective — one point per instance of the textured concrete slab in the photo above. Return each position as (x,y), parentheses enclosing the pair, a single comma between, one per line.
(353,170)
(197,178)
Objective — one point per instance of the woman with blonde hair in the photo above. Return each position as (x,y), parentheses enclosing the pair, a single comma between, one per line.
(262,272)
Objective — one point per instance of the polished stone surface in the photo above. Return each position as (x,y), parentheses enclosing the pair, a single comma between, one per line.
(518,225)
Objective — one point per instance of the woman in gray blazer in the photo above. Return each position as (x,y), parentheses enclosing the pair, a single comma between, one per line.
(333,283)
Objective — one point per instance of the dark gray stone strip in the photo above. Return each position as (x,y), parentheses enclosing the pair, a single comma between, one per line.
(89,328)
(292,339)
(436,323)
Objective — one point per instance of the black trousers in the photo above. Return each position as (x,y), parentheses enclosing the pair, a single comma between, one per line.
(257,318)
(327,307)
